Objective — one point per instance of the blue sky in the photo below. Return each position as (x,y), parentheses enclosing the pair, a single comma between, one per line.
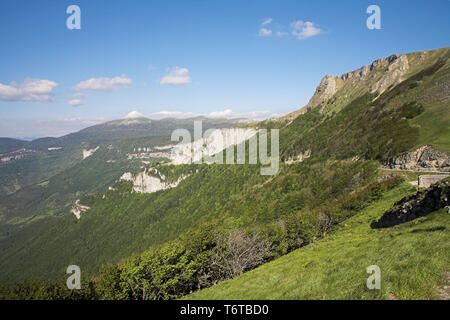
(189,57)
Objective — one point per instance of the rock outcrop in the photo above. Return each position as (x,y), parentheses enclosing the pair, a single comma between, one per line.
(78,209)
(397,67)
(324,91)
(299,158)
(150,180)
(88,153)
(210,145)
(377,77)
(423,159)
(420,204)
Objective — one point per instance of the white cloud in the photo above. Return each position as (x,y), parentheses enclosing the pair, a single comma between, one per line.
(175,114)
(29,90)
(227,113)
(303,30)
(76,102)
(134,114)
(264,32)
(176,77)
(77,99)
(221,114)
(281,34)
(104,84)
(161,114)
(254,115)
(266,21)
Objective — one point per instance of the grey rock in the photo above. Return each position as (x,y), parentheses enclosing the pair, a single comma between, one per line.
(420,204)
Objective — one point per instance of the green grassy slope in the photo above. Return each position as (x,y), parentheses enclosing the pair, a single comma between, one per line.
(413,258)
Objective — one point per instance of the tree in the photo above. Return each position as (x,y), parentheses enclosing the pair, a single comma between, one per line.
(237,253)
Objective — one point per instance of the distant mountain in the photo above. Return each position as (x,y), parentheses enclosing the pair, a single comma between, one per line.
(131,128)
(10,144)
(48,156)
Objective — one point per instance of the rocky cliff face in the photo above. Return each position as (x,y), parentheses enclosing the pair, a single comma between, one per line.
(397,67)
(324,91)
(213,143)
(409,208)
(88,153)
(376,77)
(423,159)
(150,180)
(384,72)
(78,209)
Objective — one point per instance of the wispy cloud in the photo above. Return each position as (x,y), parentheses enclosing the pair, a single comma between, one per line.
(255,115)
(300,29)
(76,102)
(77,99)
(174,114)
(29,90)
(264,31)
(227,113)
(177,76)
(303,30)
(266,21)
(104,84)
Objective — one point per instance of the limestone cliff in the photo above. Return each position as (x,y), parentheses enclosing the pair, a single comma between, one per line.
(213,143)
(150,180)
(78,209)
(88,153)
(380,75)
